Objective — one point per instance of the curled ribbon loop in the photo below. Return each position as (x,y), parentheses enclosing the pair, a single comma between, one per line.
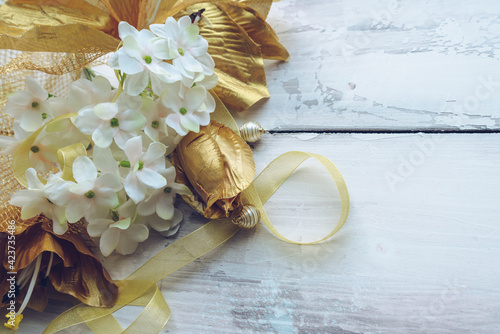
(21,159)
(66,156)
(140,287)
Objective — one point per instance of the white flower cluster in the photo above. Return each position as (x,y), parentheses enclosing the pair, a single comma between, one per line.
(125,183)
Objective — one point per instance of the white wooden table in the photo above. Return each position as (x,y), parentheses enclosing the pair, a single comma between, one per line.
(404,97)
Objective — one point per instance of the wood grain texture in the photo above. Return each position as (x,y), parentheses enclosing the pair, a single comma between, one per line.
(365,65)
(416,256)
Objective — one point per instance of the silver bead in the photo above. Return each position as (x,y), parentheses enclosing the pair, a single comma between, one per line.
(251,132)
(248,217)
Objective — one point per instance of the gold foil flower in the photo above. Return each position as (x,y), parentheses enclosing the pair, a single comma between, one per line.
(236,31)
(216,165)
(65,260)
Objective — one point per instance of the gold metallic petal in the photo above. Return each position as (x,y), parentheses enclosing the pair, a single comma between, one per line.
(238,60)
(75,270)
(227,168)
(172,7)
(258,30)
(48,26)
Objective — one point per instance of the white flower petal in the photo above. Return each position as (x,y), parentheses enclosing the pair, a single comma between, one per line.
(106,111)
(133,149)
(113,61)
(121,138)
(84,170)
(103,135)
(136,83)
(59,226)
(31,121)
(87,122)
(104,161)
(109,181)
(207,63)
(184,22)
(77,208)
(97,227)
(135,189)
(170,98)
(189,35)
(146,208)
(159,224)
(35,89)
(190,123)
(125,29)
(161,49)
(109,241)
(125,245)
(151,178)
(81,188)
(156,151)
(202,118)
(165,207)
(33,180)
(194,98)
(137,232)
(20,98)
(190,64)
(199,48)
(131,120)
(173,120)
(128,64)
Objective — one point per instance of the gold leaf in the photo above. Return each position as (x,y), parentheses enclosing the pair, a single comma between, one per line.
(172,7)
(75,270)
(46,26)
(258,30)
(136,12)
(238,60)
(227,168)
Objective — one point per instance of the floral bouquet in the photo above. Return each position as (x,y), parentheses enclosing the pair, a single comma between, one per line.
(83,158)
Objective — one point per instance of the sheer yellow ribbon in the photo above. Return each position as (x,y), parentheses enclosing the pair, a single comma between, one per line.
(140,287)
(21,159)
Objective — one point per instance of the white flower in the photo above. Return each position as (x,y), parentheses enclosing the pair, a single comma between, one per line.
(137,60)
(144,168)
(83,93)
(104,161)
(189,113)
(181,41)
(200,79)
(119,231)
(10,144)
(43,153)
(155,114)
(107,121)
(96,194)
(161,200)
(36,200)
(166,228)
(29,107)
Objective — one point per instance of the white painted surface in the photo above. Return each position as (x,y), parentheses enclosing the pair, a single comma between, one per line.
(418,257)
(414,65)
(420,250)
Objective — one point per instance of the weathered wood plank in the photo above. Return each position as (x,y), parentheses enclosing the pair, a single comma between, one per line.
(419,252)
(384,65)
